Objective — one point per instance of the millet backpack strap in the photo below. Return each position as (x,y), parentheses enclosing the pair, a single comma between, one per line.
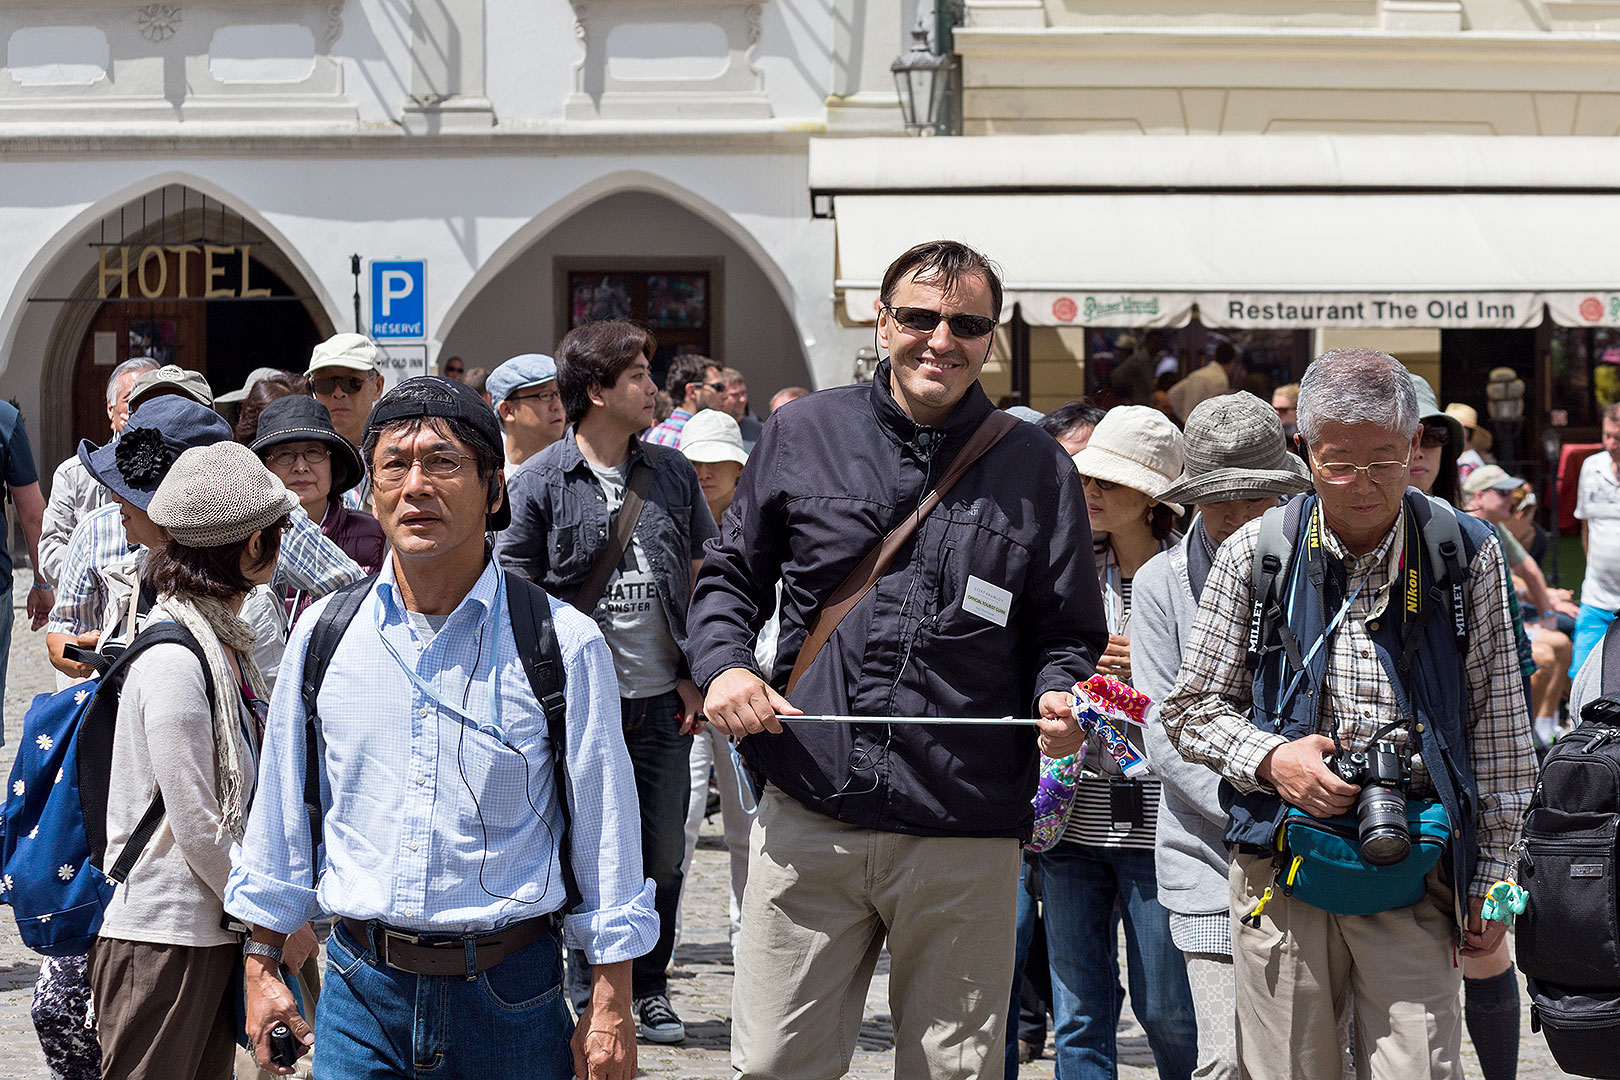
(324,636)
(529,608)
(96,748)
(1443,537)
(1273,553)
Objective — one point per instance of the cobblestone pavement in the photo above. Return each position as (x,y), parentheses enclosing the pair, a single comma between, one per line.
(700,988)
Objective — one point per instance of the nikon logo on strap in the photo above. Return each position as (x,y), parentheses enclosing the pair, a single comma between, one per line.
(1412,591)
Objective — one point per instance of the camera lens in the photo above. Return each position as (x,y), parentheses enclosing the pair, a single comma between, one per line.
(1382,826)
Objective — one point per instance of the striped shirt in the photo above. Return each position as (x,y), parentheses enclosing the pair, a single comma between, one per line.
(1207,713)
(440,812)
(308,561)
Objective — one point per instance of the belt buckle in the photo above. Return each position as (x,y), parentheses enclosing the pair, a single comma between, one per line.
(388,935)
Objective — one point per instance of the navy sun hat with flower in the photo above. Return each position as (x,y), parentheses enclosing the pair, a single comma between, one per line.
(135,463)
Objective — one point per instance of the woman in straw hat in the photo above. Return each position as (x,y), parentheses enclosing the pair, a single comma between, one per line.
(1105,857)
(1237,466)
(161,969)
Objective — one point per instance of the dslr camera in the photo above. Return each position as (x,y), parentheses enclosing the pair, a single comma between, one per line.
(1383,773)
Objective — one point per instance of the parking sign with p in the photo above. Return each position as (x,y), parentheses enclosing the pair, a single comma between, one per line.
(399,300)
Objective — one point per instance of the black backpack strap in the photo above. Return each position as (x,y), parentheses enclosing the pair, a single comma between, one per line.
(1273,552)
(96,747)
(1437,521)
(530,611)
(324,636)
(1610,682)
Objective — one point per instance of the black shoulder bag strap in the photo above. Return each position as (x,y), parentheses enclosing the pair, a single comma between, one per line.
(621,532)
(1611,659)
(324,636)
(530,611)
(95,753)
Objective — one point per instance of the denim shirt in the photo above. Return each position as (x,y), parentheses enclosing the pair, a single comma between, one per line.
(560,520)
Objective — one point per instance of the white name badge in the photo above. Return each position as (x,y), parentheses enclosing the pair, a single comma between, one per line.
(989,602)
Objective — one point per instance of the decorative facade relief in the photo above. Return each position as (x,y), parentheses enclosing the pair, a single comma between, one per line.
(159,22)
(274,63)
(644,59)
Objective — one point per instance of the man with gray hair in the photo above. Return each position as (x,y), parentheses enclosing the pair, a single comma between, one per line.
(74,492)
(1355,684)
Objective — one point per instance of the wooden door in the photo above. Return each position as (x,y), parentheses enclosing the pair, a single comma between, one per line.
(168,329)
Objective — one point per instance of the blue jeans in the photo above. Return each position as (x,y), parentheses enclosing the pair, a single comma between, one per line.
(1589,629)
(1081,885)
(375,1022)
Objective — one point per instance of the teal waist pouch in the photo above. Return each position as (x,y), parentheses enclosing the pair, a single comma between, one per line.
(1319,861)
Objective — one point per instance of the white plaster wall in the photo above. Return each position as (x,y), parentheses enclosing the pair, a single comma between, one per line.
(375,50)
(517,313)
(531,52)
(465,215)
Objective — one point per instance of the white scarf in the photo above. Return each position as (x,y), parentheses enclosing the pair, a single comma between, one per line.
(213,624)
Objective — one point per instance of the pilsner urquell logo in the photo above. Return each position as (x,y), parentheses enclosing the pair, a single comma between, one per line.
(1122,306)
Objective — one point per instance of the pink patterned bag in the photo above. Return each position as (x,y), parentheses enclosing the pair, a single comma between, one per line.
(1105,707)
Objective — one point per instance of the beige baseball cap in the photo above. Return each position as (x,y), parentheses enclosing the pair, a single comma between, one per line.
(352,352)
(171,379)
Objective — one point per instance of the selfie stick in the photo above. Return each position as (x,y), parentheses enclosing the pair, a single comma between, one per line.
(1004,721)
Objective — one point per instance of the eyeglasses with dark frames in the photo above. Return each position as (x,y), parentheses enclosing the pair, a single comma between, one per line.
(327,384)
(923,320)
(285,458)
(1435,435)
(1102,485)
(545,397)
(717,387)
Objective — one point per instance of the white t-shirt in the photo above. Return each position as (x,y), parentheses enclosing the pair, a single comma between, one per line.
(1597,502)
(631,614)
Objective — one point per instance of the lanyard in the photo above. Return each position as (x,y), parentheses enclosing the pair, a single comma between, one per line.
(491,727)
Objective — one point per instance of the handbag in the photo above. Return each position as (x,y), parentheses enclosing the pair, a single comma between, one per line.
(1319,861)
(1054,798)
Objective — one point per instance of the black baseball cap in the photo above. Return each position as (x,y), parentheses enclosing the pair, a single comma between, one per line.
(435,395)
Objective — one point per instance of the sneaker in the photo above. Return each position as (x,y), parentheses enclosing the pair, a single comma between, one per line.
(656,1021)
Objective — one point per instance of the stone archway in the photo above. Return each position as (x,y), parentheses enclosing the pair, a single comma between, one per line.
(60,389)
(629,226)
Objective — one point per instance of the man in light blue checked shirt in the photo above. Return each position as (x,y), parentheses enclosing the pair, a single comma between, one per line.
(441,821)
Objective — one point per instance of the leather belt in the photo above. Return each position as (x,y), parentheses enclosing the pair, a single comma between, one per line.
(435,954)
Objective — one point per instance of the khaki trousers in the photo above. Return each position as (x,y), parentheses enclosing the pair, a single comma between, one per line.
(822,897)
(1294,972)
(164,1012)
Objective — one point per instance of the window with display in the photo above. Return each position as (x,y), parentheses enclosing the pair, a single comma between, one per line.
(677,302)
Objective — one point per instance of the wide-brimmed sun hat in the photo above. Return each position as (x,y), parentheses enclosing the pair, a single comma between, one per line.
(296,418)
(711,435)
(1234,449)
(134,464)
(217,495)
(1136,446)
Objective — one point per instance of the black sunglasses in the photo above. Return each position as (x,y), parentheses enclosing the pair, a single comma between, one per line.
(1435,435)
(326,384)
(717,387)
(924,320)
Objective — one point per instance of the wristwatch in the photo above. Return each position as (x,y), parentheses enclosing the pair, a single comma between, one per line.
(262,948)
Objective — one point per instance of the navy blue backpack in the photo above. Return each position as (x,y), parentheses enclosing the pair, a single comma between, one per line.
(53,832)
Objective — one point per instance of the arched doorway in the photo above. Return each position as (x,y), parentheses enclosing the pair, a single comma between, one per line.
(179,276)
(637,254)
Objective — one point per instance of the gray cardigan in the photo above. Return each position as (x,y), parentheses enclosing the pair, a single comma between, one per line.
(1189,856)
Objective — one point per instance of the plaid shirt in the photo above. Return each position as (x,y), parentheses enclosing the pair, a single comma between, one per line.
(1207,714)
(308,561)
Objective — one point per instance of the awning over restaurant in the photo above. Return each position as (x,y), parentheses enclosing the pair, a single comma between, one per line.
(1257,259)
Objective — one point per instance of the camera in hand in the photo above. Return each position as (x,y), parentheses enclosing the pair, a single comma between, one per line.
(283,1047)
(1383,773)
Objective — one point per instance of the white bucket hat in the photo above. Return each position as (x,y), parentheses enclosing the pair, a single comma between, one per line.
(712,435)
(1136,446)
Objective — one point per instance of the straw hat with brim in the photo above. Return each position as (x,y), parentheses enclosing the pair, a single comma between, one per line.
(712,435)
(257,376)
(171,379)
(1135,446)
(134,464)
(218,495)
(1235,450)
(303,419)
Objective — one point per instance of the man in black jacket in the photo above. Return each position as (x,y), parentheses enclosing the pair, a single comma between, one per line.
(869,830)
